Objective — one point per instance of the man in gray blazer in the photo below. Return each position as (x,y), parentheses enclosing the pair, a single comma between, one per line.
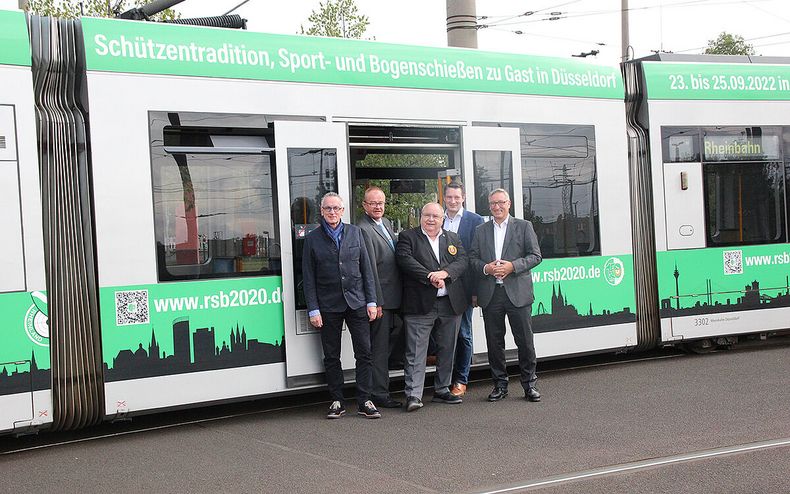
(380,241)
(503,253)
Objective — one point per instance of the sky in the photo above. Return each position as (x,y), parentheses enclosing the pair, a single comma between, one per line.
(680,26)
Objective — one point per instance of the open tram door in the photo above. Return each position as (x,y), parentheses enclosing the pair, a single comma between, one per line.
(492,160)
(315,157)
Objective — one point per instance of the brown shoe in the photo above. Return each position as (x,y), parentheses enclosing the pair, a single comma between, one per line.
(458,389)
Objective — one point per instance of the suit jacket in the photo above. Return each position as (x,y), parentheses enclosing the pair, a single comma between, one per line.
(520,247)
(466,230)
(336,279)
(415,258)
(382,259)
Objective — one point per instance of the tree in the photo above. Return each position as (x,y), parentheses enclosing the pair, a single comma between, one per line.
(729,44)
(337,19)
(70,9)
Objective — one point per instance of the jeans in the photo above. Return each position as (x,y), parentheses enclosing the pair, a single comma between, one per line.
(463,348)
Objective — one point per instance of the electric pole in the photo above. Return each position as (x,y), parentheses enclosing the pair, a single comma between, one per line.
(461,23)
(626,43)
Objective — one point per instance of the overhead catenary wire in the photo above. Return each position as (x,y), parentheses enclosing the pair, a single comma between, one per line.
(591,13)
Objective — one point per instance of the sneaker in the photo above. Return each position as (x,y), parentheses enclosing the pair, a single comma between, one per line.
(368,409)
(413,403)
(336,410)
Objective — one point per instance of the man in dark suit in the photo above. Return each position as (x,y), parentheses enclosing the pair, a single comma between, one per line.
(432,263)
(503,253)
(380,242)
(339,286)
(462,222)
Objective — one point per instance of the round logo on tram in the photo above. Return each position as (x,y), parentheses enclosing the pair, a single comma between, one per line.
(37,320)
(614,271)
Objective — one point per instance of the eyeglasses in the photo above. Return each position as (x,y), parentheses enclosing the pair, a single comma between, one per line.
(375,204)
(434,216)
(332,209)
(497,203)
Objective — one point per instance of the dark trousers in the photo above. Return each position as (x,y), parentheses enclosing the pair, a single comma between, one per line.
(520,319)
(331,336)
(380,330)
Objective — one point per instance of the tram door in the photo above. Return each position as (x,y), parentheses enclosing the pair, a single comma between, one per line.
(492,160)
(316,159)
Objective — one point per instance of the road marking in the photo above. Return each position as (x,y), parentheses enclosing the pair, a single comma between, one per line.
(642,465)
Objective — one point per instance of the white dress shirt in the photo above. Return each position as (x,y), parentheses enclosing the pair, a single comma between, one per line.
(499,242)
(452,224)
(435,247)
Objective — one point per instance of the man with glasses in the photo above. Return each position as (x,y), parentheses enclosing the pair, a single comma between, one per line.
(380,241)
(503,252)
(463,222)
(432,263)
(339,286)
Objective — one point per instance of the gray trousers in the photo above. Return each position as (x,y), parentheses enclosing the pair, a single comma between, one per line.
(380,349)
(444,324)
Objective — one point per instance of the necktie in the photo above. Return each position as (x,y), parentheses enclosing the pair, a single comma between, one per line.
(387,235)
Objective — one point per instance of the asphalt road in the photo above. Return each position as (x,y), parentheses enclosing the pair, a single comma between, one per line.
(647,426)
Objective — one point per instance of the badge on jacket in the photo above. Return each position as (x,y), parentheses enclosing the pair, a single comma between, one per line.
(452,250)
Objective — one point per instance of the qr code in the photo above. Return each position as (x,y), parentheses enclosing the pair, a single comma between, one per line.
(733,262)
(131,307)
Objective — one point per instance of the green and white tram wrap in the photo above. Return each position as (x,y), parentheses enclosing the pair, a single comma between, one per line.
(718,135)
(25,397)
(167,99)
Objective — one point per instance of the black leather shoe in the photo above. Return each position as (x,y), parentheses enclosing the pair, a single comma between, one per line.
(413,404)
(497,394)
(532,394)
(446,397)
(388,403)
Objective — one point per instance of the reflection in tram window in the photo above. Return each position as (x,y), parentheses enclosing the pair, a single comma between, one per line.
(493,170)
(560,187)
(680,144)
(312,172)
(215,215)
(745,203)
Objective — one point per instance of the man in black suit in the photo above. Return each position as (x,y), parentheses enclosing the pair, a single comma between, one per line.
(503,253)
(432,263)
(339,286)
(380,242)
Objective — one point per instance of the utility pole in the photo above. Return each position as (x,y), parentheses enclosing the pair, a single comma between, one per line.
(23,4)
(626,43)
(461,23)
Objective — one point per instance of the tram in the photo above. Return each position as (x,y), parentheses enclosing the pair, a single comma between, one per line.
(161,180)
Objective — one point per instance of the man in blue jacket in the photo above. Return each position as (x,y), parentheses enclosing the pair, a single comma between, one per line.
(339,286)
(463,222)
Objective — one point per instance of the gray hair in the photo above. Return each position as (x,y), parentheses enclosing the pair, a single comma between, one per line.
(499,191)
(332,194)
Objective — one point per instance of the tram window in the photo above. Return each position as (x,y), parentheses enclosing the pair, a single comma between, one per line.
(312,173)
(560,187)
(493,170)
(745,203)
(680,144)
(215,215)
(215,207)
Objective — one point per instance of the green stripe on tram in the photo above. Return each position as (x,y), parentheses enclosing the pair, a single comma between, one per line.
(150,48)
(717,81)
(14,42)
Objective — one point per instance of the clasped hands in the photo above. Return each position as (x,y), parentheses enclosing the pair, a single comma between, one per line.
(499,269)
(437,278)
